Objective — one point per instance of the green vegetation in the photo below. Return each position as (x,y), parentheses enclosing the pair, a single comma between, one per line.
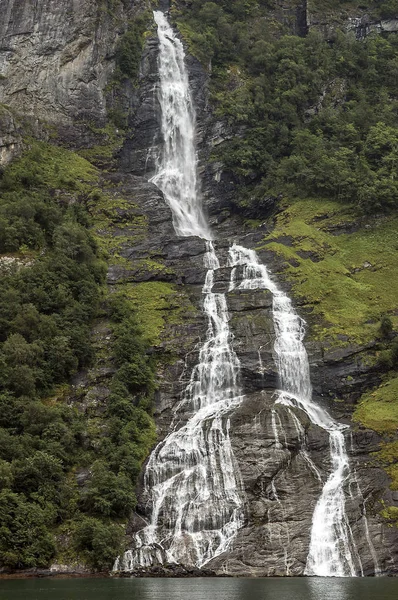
(51,291)
(388,455)
(116,222)
(350,278)
(390,513)
(129,49)
(157,302)
(378,410)
(317,117)
(46,309)
(377,9)
(110,140)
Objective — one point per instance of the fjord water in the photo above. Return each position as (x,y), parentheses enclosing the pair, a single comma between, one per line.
(192,483)
(309,588)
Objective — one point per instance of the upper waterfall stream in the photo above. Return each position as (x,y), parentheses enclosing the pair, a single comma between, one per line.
(176,170)
(192,482)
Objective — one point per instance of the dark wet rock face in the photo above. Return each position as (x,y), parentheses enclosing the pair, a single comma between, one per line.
(57,55)
(142,147)
(57,58)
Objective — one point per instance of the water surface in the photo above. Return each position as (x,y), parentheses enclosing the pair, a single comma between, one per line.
(201,589)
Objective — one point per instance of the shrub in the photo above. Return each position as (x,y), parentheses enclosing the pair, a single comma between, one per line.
(25,540)
(107,494)
(98,543)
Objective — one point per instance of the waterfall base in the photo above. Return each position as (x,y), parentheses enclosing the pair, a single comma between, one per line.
(168,570)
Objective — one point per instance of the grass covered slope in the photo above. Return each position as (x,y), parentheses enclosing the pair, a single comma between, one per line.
(350,279)
(378,410)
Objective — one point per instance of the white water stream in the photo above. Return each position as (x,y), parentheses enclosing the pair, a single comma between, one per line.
(192,479)
(332,544)
(176,169)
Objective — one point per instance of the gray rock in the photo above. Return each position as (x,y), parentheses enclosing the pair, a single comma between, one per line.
(10,136)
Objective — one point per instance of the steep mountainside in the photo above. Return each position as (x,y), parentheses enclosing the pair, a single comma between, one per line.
(296,106)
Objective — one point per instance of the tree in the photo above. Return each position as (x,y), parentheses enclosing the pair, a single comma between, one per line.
(24,538)
(99,543)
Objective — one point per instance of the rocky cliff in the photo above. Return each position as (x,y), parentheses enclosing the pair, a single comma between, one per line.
(56,61)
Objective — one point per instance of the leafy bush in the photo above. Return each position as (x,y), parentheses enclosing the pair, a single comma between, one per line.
(25,540)
(98,543)
(107,494)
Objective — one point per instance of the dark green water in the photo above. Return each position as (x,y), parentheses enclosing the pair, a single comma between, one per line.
(201,589)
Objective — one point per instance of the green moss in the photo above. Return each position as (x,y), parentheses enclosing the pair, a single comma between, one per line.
(148,265)
(160,308)
(392,472)
(388,455)
(378,410)
(391,514)
(116,224)
(252,223)
(111,140)
(153,301)
(349,279)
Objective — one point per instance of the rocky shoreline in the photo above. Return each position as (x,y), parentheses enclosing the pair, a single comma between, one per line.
(69,572)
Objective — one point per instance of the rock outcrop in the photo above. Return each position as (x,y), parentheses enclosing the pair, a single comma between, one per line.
(10,136)
(56,60)
(356,18)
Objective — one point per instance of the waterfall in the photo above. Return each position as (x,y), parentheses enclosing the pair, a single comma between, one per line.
(192,482)
(176,169)
(332,545)
(191,479)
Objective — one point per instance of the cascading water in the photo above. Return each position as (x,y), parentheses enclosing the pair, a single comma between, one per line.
(192,481)
(176,169)
(332,545)
(191,478)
